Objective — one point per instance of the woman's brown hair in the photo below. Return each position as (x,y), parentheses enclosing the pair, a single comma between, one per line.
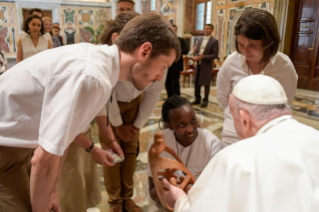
(28,20)
(257,24)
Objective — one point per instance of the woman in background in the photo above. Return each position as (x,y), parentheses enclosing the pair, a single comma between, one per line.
(48,29)
(34,42)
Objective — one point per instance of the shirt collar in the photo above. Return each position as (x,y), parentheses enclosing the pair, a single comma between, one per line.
(272,123)
(207,37)
(115,51)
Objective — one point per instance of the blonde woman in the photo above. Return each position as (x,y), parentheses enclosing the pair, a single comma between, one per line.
(48,29)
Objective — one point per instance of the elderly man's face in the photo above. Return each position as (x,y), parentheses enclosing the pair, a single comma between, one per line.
(239,121)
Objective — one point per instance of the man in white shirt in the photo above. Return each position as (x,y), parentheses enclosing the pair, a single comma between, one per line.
(275,166)
(205,52)
(48,99)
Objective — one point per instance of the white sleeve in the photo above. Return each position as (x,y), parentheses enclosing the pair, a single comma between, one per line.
(289,82)
(223,86)
(114,111)
(102,112)
(149,102)
(182,204)
(69,105)
(215,147)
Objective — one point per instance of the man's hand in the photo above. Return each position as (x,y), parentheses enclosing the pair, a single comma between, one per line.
(199,57)
(116,148)
(101,156)
(55,201)
(171,193)
(44,175)
(126,132)
(194,49)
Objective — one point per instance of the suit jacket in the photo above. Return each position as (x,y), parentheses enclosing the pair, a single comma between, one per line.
(179,65)
(204,72)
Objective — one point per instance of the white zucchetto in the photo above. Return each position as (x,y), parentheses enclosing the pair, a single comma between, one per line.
(260,90)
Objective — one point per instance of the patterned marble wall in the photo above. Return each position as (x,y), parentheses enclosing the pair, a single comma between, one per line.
(167,7)
(78,24)
(226,16)
(8,29)
(83,24)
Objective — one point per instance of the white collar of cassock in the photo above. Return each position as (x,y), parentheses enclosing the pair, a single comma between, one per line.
(272,123)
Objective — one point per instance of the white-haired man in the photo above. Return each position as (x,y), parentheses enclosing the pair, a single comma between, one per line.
(275,167)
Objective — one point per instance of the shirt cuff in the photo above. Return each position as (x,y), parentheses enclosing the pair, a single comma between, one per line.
(181,203)
(138,123)
(51,148)
(116,121)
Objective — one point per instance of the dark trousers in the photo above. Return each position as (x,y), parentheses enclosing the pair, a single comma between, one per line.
(172,84)
(198,87)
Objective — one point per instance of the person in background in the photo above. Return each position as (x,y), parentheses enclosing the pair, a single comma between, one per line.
(204,53)
(56,31)
(195,146)
(172,79)
(257,42)
(34,42)
(3,62)
(34,11)
(125,6)
(48,29)
(272,168)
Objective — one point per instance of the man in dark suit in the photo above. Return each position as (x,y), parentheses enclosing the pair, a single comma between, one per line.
(172,79)
(205,52)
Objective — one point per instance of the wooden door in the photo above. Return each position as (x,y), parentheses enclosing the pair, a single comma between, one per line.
(304,45)
(46,13)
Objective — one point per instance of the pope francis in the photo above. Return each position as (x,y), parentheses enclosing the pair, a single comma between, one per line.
(274,168)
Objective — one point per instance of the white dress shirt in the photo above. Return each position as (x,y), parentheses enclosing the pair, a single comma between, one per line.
(204,43)
(51,97)
(126,92)
(235,68)
(276,170)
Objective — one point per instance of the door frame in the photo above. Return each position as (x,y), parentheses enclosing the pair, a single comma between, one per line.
(55,8)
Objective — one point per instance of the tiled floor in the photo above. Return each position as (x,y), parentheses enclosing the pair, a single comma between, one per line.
(305,109)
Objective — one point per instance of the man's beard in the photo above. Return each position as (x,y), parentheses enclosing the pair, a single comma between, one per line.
(138,84)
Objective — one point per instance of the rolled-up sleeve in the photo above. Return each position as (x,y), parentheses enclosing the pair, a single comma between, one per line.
(70,103)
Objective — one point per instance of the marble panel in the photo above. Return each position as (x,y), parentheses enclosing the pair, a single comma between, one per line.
(4,39)
(87,34)
(3,15)
(69,16)
(86,17)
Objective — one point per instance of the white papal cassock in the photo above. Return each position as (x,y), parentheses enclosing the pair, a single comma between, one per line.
(276,170)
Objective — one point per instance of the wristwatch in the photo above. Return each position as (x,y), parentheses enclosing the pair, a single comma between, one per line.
(90,148)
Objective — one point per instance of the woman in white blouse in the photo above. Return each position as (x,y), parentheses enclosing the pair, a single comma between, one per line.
(257,42)
(34,42)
